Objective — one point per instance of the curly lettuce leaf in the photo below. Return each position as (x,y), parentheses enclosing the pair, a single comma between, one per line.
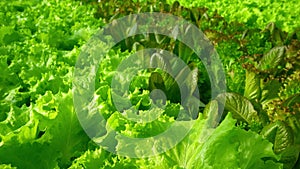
(226,147)
(232,147)
(46,136)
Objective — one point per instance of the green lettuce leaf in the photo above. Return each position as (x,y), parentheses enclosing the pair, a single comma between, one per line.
(227,146)
(232,147)
(46,136)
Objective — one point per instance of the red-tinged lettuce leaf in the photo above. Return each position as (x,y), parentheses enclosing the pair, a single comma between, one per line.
(240,107)
(292,100)
(272,59)
(252,86)
(290,156)
(279,134)
(269,91)
(294,122)
(283,138)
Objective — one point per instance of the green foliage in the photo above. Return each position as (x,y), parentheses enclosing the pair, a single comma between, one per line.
(41,40)
(236,143)
(39,44)
(254,13)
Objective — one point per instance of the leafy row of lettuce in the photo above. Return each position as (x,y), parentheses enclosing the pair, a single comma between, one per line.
(249,116)
(233,40)
(251,109)
(228,147)
(40,41)
(254,13)
(39,44)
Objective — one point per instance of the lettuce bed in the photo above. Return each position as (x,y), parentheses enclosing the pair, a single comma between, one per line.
(41,40)
(254,13)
